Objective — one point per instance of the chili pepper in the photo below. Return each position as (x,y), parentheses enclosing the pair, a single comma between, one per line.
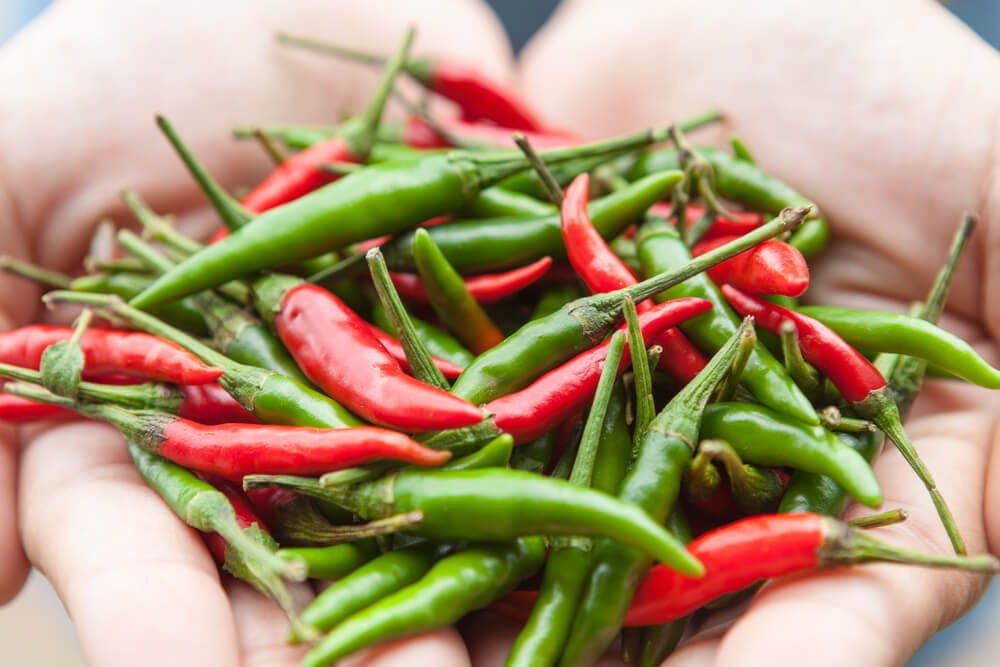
(765,437)
(485,289)
(519,504)
(454,586)
(377,200)
(18,410)
(450,298)
(540,641)
(395,350)
(770,546)
(545,343)
(858,381)
(109,351)
(337,350)
(531,412)
(743,182)
(271,397)
(495,454)
(365,586)
(441,344)
(902,334)
(536,455)
(500,243)
(477,96)
(301,523)
(615,452)
(554,298)
(181,313)
(652,486)
(660,641)
(755,489)
(353,141)
(660,249)
(642,379)
(335,561)
(499,203)
(773,267)
(235,450)
(804,375)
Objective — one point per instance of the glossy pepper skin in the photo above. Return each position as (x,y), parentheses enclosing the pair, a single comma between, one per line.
(335,561)
(653,485)
(476,246)
(337,350)
(773,267)
(660,248)
(744,182)
(18,410)
(109,351)
(765,437)
(485,289)
(456,585)
(396,351)
(374,201)
(439,343)
(553,398)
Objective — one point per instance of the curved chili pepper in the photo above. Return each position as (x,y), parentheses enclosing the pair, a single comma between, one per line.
(500,243)
(653,485)
(235,450)
(543,344)
(395,350)
(454,586)
(773,267)
(499,203)
(211,404)
(300,175)
(744,182)
(660,249)
(377,200)
(18,410)
(338,351)
(519,503)
(858,381)
(485,289)
(531,412)
(912,336)
(768,546)
(110,351)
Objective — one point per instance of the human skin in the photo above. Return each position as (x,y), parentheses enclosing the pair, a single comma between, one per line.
(878,111)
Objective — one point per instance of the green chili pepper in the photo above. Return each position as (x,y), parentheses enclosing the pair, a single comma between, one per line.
(455,586)
(652,484)
(450,298)
(543,344)
(554,298)
(501,243)
(500,203)
(495,454)
(912,336)
(762,436)
(372,581)
(440,343)
(615,453)
(660,249)
(183,313)
(744,182)
(518,504)
(332,562)
(382,199)
(535,455)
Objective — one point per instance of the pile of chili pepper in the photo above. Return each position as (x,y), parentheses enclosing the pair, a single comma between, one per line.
(567,381)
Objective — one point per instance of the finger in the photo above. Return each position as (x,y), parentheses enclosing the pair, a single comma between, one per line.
(881,614)
(442,648)
(207,66)
(263,626)
(139,585)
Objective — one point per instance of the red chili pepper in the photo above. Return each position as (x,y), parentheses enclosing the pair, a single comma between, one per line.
(220,233)
(337,350)
(743,222)
(18,410)
(211,404)
(773,267)
(486,289)
(110,351)
(245,515)
(395,348)
(267,501)
(856,379)
(299,175)
(603,271)
(419,134)
(236,450)
(554,397)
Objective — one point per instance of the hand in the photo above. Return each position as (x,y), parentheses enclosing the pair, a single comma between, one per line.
(880,112)
(86,79)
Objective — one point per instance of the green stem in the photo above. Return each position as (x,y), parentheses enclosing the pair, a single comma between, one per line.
(801,372)
(19,267)
(747,343)
(419,358)
(269,146)
(698,121)
(641,377)
(548,180)
(332,49)
(889,518)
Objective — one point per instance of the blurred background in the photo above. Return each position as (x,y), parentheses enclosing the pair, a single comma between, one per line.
(35,630)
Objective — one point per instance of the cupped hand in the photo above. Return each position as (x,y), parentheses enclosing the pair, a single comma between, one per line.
(84,81)
(884,114)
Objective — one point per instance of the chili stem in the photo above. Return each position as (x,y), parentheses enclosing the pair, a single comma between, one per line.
(879,520)
(549,182)
(24,269)
(698,121)
(641,377)
(802,373)
(747,343)
(303,532)
(269,146)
